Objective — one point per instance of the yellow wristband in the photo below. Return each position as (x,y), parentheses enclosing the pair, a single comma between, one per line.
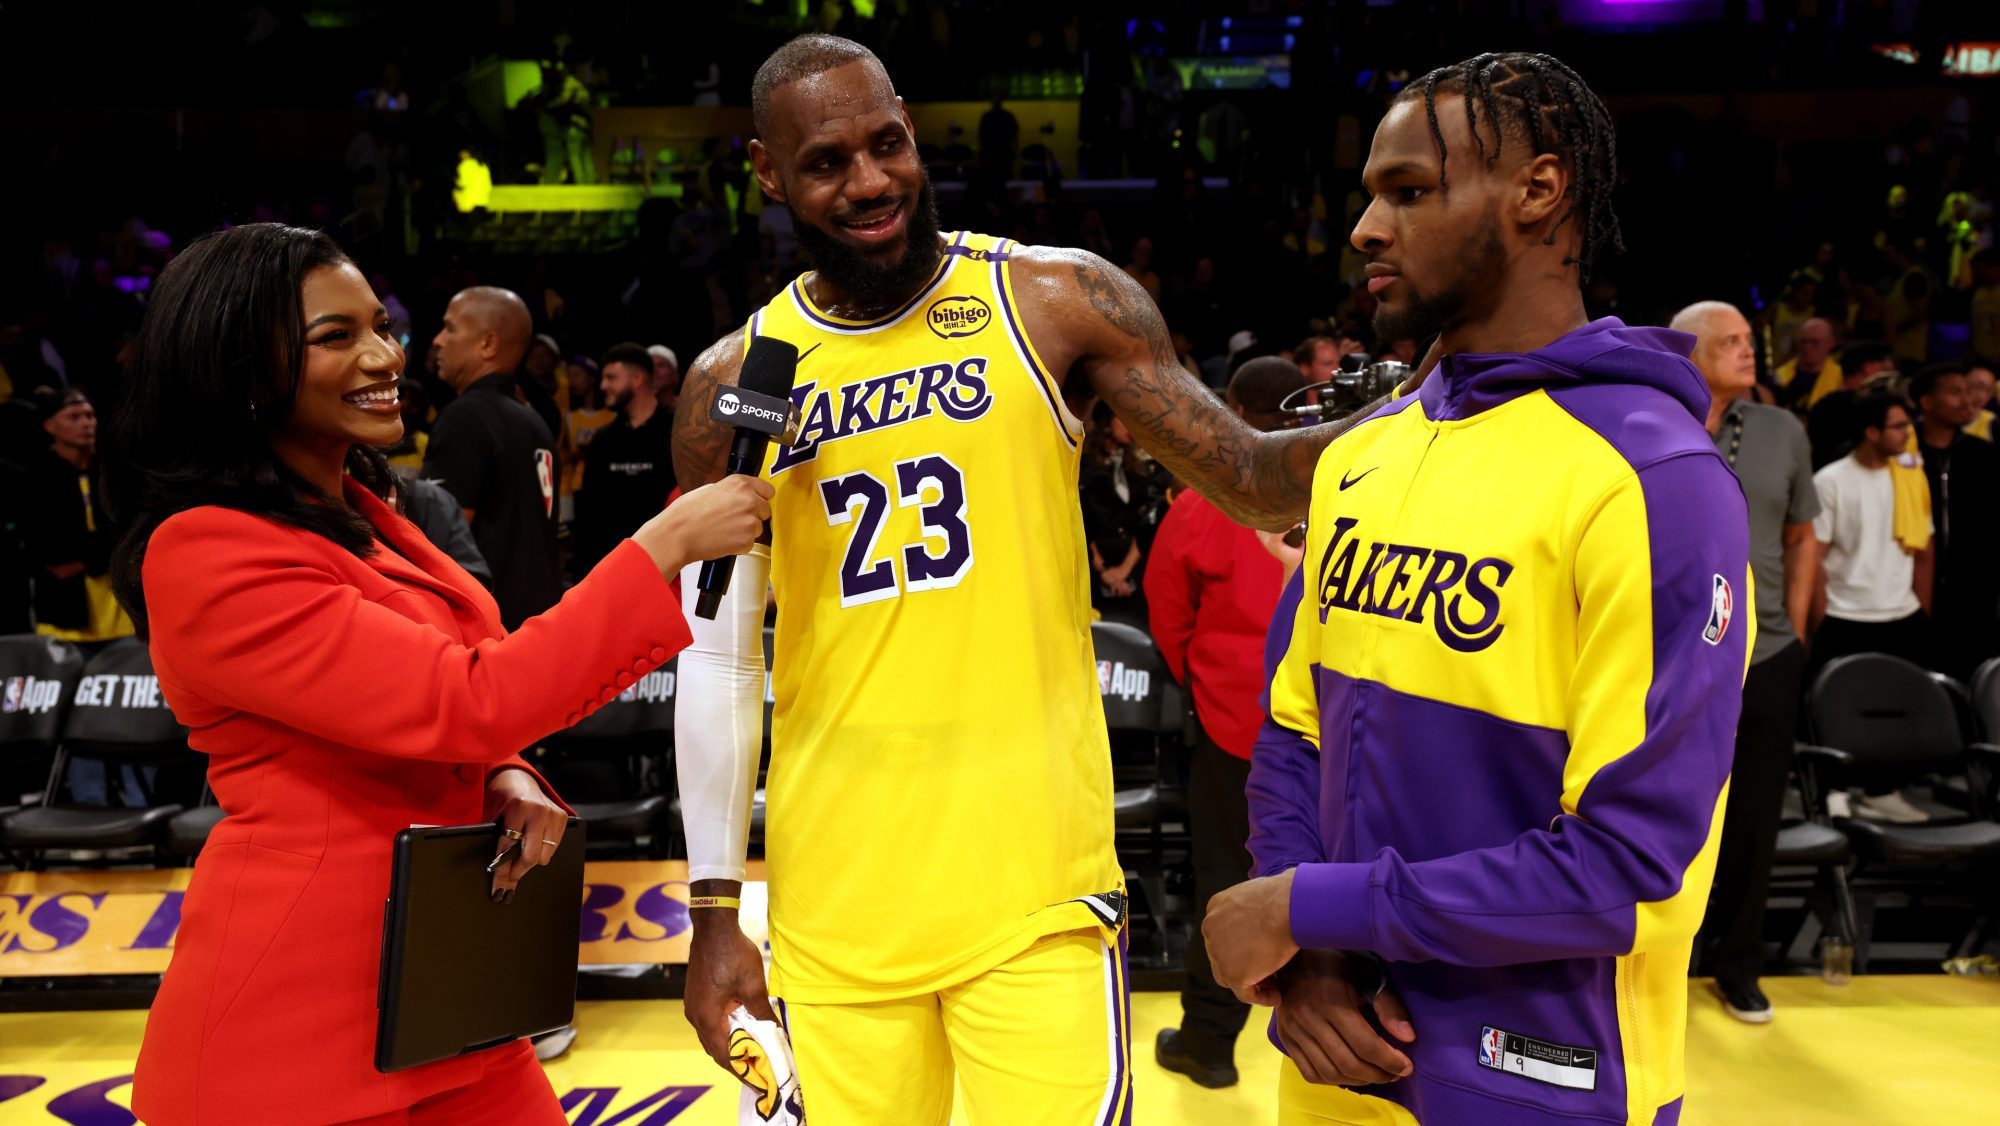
(713,901)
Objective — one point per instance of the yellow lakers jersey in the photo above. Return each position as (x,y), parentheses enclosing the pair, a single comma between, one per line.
(939,794)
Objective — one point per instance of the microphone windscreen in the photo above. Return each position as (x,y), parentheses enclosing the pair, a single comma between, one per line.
(770,367)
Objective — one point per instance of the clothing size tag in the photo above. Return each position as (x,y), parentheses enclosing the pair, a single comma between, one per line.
(1558,1064)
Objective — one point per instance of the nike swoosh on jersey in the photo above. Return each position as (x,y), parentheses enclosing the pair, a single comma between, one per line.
(1347,482)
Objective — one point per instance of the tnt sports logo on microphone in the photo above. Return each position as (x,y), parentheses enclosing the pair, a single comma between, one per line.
(952,317)
(729,406)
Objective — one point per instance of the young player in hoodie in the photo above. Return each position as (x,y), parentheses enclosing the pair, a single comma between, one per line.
(1506,679)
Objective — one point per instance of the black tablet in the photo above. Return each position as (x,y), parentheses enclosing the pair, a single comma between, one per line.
(461,972)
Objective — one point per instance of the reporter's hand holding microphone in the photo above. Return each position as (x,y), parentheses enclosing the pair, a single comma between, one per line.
(710,522)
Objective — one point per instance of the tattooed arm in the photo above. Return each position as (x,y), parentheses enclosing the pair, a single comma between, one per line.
(701,444)
(1082,310)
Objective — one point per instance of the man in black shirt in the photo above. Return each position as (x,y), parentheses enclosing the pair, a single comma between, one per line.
(65,526)
(495,454)
(1964,472)
(1832,425)
(628,468)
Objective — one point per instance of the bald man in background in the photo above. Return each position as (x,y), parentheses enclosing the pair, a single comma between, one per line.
(1767,450)
(1812,373)
(494,453)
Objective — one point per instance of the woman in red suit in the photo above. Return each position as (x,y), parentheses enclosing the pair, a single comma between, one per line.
(345,678)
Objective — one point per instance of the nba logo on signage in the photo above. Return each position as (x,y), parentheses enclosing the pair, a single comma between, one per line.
(1721,606)
(1491,1045)
(27,694)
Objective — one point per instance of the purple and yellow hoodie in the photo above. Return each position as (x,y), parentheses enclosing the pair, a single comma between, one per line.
(1502,707)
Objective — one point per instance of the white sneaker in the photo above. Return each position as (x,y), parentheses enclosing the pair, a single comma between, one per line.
(1838,805)
(1893,808)
(552,1045)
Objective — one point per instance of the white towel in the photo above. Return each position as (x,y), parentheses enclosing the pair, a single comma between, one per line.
(760,1053)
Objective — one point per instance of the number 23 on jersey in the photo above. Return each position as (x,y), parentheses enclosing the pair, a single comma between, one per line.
(871,573)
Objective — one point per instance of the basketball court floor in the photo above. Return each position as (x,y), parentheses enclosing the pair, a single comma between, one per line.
(1887,1051)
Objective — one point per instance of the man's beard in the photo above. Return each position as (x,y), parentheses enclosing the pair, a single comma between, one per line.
(858,278)
(1426,315)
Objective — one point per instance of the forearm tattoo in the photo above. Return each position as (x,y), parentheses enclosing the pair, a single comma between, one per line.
(700,444)
(1262,480)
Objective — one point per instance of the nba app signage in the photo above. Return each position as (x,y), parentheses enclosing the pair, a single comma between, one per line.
(1114,678)
(118,690)
(29,695)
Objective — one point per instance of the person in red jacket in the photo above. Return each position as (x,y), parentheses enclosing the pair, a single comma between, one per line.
(1210,592)
(345,678)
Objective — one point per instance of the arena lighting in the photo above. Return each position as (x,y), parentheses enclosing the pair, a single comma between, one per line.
(1636,14)
(1971,59)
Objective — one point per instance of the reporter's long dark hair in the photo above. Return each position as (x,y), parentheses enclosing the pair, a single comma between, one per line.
(217,370)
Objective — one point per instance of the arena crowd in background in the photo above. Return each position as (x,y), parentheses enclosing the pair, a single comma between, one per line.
(1865,267)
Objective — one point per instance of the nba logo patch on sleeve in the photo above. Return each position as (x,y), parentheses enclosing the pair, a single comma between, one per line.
(545,476)
(1721,606)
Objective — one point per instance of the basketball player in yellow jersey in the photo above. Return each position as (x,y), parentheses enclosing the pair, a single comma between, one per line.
(945,897)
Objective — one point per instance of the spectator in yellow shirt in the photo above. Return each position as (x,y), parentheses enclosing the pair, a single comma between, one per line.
(1812,373)
(1979,389)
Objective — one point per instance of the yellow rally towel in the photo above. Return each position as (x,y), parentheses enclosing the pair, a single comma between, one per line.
(760,1053)
(1981,427)
(1913,498)
(1830,379)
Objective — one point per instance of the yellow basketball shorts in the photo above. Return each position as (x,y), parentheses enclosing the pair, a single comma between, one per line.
(1043,1039)
(1310,1104)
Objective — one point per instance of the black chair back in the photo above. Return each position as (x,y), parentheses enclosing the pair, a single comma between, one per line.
(615,753)
(1961,707)
(116,710)
(1986,699)
(1133,682)
(1896,722)
(38,676)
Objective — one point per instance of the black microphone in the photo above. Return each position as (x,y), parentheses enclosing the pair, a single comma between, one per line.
(760,408)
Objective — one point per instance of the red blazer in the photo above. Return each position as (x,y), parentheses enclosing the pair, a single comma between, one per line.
(340,700)
(1211,589)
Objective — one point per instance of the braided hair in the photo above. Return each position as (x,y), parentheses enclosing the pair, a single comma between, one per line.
(1538,99)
